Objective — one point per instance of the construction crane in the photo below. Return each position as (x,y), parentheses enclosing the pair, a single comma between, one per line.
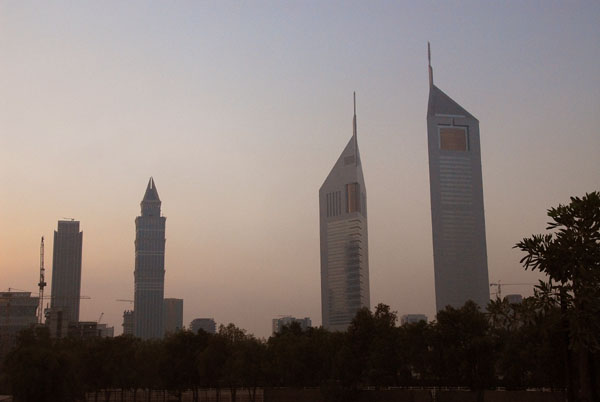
(500,284)
(42,283)
(124,300)
(99,318)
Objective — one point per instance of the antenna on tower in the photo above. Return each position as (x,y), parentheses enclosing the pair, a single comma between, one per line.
(355,134)
(42,283)
(430,68)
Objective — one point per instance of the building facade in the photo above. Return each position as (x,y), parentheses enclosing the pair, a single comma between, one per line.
(173,310)
(128,322)
(149,272)
(206,324)
(412,318)
(66,269)
(456,190)
(514,298)
(278,323)
(17,312)
(344,239)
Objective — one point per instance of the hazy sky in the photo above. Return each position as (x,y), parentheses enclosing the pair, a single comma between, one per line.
(240,109)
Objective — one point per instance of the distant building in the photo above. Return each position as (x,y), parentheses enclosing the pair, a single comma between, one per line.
(128,321)
(149,267)
(344,239)
(412,318)
(105,331)
(514,299)
(279,323)
(83,329)
(206,324)
(66,269)
(456,191)
(173,310)
(17,312)
(57,322)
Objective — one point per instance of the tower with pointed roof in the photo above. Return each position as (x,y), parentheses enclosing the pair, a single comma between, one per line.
(456,190)
(149,267)
(344,239)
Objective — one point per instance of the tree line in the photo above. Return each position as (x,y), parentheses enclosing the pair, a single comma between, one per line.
(550,340)
(510,345)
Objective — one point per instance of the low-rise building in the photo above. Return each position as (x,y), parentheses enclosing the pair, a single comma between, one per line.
(206,324)
(412,318)
(17,312)
(279,323)
(514,298)
(128,320)
(105,331)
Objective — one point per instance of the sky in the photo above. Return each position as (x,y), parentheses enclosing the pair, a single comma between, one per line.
(239,111)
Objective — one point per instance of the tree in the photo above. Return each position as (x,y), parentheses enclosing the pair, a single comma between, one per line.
(38,370)
(463,351)
(383,359)
(570,257)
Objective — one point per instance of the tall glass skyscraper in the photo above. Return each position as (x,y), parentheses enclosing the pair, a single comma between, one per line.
(66,270)
(149,267)
(456,189)
(344,239)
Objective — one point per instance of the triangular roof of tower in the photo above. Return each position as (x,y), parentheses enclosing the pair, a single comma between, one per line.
(440,103)
(349,158)
(151,193)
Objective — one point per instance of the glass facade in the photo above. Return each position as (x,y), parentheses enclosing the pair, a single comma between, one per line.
(353,197)
(453,139)
(66,269)
(344,241)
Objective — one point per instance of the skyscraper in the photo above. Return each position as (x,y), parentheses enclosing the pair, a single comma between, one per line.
(344,239)
(66,270)
(149,267)
(456,189)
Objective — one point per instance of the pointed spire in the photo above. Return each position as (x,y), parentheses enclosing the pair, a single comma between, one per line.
(430,68)
(354,119)
(355,133)
(151,193)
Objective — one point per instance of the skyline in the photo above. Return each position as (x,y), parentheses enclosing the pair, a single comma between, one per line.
(95,99)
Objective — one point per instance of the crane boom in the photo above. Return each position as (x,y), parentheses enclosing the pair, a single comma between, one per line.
(42,283)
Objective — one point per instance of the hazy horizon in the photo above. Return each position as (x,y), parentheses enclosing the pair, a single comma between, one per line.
(239,111)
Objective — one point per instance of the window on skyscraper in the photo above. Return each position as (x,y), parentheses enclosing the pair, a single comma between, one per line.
(352,197)
(453,138)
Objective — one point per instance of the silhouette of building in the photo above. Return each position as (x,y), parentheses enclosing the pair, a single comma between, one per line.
(456,189)
(149,267)
(66,269)
(279,323)
(17,312)
(412,318)
(173,310)
(57,322)
(344,239)
(105,331)
(128,322)
(206,324)
(83,329)
(514,298)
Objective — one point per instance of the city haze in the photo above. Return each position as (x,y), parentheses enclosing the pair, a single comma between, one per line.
(239,111)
